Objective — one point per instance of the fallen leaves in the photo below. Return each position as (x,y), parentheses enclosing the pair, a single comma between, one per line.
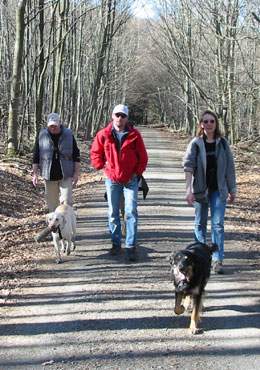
(22,216)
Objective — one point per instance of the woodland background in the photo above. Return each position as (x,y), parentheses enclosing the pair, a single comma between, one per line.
(80,57)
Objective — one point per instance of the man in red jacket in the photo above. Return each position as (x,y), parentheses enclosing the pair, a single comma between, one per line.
(119,150)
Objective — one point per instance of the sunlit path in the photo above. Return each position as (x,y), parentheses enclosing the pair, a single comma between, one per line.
(94,311)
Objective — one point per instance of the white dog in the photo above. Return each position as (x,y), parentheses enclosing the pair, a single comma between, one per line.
(62,223)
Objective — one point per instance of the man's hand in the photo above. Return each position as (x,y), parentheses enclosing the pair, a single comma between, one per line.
(231,198)
(190,198)
(35,169)
(75,179)
(35,179)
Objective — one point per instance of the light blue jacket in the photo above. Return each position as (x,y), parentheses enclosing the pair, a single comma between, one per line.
(195,161)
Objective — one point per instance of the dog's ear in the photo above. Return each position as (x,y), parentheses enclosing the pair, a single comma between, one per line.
(63,221)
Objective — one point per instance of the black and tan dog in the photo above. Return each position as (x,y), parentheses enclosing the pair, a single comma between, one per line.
(190,271)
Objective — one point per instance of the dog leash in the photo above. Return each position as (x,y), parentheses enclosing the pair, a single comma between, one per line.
(60,234)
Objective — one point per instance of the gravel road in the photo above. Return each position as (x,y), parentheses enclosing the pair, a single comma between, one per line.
(96,312)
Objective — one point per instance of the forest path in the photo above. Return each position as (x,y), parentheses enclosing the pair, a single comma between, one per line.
(96,312)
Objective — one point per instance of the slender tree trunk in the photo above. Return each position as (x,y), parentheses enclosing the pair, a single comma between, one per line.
(79,80)
(12,140)
(63,9)
(25,120)
(220,72)
(189,114)
(232,33)
(92,126)
(41,70)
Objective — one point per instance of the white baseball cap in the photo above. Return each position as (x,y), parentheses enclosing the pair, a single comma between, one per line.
(120,108)
(53,119)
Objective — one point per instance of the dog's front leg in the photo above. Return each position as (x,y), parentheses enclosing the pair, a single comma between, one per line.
(63,246)
(73,243)
(57,247)
(68,248)
(188,303)
(195,315)
(179,308)
(73,237)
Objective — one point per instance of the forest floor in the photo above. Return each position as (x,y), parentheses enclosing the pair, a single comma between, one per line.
(94,311)
(22,216)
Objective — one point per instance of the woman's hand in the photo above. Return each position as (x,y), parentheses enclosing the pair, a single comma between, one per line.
(189,194)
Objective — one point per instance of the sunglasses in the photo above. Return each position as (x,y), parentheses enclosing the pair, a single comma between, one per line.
(208,121)
(122,115)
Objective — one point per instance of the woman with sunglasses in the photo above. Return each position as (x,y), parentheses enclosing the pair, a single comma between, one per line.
(210,182)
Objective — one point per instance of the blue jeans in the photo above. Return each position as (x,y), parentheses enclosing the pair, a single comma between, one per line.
(217,212)
(114,193)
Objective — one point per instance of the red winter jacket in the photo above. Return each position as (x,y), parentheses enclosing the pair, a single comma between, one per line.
(119,164)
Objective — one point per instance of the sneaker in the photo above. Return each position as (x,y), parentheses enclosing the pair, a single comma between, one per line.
(130,254)
(217,267)
(115,250)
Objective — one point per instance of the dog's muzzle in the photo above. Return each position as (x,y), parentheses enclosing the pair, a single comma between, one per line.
(54,228)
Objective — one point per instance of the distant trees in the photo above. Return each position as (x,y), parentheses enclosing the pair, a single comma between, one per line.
(209,49)
(79,58)
(59,55)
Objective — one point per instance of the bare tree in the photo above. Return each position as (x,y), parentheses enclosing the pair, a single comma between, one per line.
(63,8)
(80,58)
(12,140)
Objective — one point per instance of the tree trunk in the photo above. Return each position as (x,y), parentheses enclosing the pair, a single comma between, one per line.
(41,70)
(63,10)
(12,140)
(92,126)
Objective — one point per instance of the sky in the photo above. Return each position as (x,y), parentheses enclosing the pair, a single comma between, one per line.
(143,9)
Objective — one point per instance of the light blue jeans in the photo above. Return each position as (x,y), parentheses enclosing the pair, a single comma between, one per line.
(217,212)
(114,193)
